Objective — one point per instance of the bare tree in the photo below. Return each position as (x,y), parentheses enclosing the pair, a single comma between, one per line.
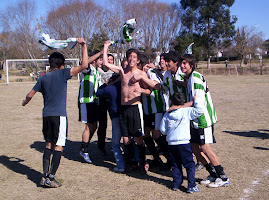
(74,18)
(18,21)
(159,23)
(247,41)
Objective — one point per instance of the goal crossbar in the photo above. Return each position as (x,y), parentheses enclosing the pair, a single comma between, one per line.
(32,60)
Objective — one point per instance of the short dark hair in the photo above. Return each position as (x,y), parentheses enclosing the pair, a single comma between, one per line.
(123,60)
(93,52)
(172,55)
(143,60)
(163,54)
(190,59)
(129,51)
(178,98)
(56,60)
(109,54)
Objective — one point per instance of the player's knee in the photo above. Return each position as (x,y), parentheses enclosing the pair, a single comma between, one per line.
(206,148)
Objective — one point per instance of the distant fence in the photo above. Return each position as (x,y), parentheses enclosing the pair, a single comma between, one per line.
(235,69)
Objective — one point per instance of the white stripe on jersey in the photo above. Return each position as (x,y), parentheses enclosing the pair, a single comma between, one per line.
(169,86)
(208,135)
(83,112)
(62,132)
(95,82)
(153,107)
(141,117)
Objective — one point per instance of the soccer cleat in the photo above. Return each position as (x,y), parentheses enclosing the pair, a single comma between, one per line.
(85,156)
(52,183)
(219,183)
(42,181)
(118,170)
(207,181)
(193,189)
(199,166)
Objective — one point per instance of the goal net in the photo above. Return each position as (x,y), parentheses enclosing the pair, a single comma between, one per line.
(32,67)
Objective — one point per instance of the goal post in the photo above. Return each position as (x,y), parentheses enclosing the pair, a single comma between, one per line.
(8,61)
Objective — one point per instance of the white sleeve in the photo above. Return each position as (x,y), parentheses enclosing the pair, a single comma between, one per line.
(153,76)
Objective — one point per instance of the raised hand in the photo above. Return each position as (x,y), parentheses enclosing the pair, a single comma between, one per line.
(81,41)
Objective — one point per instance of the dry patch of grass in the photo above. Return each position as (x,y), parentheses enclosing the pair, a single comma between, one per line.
(242,135)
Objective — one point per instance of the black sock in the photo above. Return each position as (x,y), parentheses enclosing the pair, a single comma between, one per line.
(151,147)
(128,153)
(142,153)
(163,145)
(84,147)
(220,172)
(46,161)
(55,161)
(210,168)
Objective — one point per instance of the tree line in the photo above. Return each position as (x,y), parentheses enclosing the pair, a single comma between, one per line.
(164,27)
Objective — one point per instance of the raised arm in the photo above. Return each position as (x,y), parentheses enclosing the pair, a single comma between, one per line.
(112,67)
(95,56)
(84,63)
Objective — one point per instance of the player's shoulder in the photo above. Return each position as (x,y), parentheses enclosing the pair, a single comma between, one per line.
(167,74)
(139,71)
(198,76)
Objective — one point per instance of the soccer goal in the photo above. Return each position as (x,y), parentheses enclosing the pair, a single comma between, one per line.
(42,64)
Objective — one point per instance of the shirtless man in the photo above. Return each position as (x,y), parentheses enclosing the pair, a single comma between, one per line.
(133,82)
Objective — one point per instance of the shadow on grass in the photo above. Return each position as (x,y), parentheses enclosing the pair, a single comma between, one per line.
(161,181)
(138,175)
(255,134)
(15,164)
(71,152)
(72,148)
(261,148)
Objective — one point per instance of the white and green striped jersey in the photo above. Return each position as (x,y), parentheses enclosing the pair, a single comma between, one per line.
(170,86)
(197,85)
(90,81)
(155,102)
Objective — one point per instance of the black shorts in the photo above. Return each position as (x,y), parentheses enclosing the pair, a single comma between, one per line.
(55,129)
(88,112)
(202,135)
(131,120)
(153,121)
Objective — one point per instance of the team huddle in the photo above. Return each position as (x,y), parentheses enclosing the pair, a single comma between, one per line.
(169,104)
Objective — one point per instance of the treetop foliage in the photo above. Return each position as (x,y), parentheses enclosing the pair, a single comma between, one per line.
(164,27)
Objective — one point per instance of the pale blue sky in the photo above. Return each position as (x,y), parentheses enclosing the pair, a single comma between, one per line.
(253,13)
